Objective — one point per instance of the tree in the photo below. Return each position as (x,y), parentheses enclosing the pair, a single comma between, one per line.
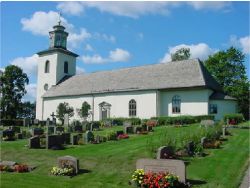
(62,109)
(28,110)
(228,69)
(12,89)
(181,54)
(83,112)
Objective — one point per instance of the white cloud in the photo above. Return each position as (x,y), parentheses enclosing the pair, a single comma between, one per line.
(31,93)
(201,51)
(79,70)
(117,55)
(28,64)
(209,5)
(243,43)
(105,37)
(88,47)
(41,23)
(71,8)
(75,39)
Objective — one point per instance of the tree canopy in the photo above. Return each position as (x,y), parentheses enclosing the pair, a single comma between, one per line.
(83,112)
(62,109)
(12,89)
(229,70)
(181,54)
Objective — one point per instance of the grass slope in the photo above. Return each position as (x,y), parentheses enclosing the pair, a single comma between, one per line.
(110,164)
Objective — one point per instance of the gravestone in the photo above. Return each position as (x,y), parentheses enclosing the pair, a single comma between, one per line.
(176,167)
(66,120)
(66,138)
(51,130)
(128,129)
(203,141)
(94,126)
(165,152)
(85,126)
(68,161)
(9,134)
(26,122)
(137,130)
(19,136)
(89,137)
(36,121)
(98,139)
(75,139)
(190,148)
(48,122)
(224,129)
(37,131)
(34,142)
(78,128)
(16,129)
(54,142)
(127,123)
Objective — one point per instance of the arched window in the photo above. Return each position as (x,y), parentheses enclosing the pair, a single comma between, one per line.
(46,67)
(176,104)
(132,108)
(66,67)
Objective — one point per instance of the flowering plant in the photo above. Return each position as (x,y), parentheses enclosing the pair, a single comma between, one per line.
(122,136)
(21,168)
(62,171)
(155,180)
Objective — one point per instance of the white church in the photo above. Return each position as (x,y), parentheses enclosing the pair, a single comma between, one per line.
(167,89)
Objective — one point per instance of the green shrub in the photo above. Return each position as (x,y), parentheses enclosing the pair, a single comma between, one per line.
(233,119)
(11,122)
(121,120)
(111,135)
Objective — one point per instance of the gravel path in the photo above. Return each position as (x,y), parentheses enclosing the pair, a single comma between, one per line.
(246,180)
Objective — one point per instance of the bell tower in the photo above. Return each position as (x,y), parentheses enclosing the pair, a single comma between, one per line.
(54,65)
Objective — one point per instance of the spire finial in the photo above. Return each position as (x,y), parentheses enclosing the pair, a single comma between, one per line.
(60,14)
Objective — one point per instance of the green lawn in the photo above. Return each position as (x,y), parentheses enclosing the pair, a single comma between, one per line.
(110,164)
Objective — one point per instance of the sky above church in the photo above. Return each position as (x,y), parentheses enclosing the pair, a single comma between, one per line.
(113,35)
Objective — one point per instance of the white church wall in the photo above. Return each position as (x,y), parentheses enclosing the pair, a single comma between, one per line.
(193,102)
(146,103)
(224,107)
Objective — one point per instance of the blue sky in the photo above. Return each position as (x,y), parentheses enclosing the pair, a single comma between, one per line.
(113,35)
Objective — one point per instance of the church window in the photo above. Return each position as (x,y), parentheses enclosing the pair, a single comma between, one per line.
(46,67)
(176,104)
(46,87)
(132,108)
(66,67)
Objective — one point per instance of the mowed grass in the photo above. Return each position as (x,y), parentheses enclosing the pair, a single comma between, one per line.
(110,164)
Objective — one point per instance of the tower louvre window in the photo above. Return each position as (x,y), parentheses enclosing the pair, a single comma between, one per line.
(46,67)
(66,67)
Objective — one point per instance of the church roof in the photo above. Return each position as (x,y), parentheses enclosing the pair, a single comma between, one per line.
(180,74)
(53,50)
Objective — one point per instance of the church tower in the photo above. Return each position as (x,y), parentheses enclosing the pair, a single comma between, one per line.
(54,65)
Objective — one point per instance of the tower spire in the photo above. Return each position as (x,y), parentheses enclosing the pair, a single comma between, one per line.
(60,14)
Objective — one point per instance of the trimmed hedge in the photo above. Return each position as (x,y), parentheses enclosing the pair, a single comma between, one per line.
(166,120)
(233,118)
(11,122)
(120,121)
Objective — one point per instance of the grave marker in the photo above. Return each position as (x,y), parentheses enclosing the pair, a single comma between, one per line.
(68,161)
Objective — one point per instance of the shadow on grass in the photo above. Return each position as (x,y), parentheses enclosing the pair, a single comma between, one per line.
(196,182)
(84,171)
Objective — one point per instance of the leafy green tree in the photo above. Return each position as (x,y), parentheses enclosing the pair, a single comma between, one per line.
(228,69)
(83,112)
(28,110)
(181,54)
(12,81)
(62,109)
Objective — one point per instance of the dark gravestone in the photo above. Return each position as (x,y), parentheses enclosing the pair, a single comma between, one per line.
(54,142)
(144,127)
(128,129)
(51,130)
(9,134)
(75,139)
(19,136)
(68,162)
(66,138)
(137,130)
(95,126)
(176,167)
(165,152)
(34,142)
(149,128)
(119,133)
(89,137)
(190,148)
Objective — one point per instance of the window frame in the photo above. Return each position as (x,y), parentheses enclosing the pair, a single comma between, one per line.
(176,104)
(66,67)
(47,67)
(213,109)
(132,108)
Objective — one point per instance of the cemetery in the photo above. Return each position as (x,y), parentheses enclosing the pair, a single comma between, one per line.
(112,155)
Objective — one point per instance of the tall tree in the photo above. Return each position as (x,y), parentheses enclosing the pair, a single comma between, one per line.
(28,110)
(181,54)
(62,109)
(12,81)
(228,69)
(83,112)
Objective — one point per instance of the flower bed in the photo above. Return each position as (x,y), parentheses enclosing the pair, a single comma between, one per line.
(16,168)
(66,171)
(155,180)
(122,136)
